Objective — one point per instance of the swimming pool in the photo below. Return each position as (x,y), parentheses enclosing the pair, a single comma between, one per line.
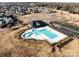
(38,32)
(44,33)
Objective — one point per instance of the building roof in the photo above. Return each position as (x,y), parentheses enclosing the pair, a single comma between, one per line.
(38,23)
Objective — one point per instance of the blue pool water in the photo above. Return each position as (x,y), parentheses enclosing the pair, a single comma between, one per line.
(49,34)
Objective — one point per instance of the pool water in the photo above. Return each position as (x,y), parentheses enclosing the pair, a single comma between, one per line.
(47,33)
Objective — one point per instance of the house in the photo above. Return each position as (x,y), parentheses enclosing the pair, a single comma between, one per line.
(7,20)
(37,24)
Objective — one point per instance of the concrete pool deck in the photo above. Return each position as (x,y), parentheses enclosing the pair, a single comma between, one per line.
(44,33)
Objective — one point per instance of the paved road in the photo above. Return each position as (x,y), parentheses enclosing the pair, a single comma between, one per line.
(70,29)
(67,30)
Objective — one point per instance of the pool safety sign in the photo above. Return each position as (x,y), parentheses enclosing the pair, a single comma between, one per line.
(43,33)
